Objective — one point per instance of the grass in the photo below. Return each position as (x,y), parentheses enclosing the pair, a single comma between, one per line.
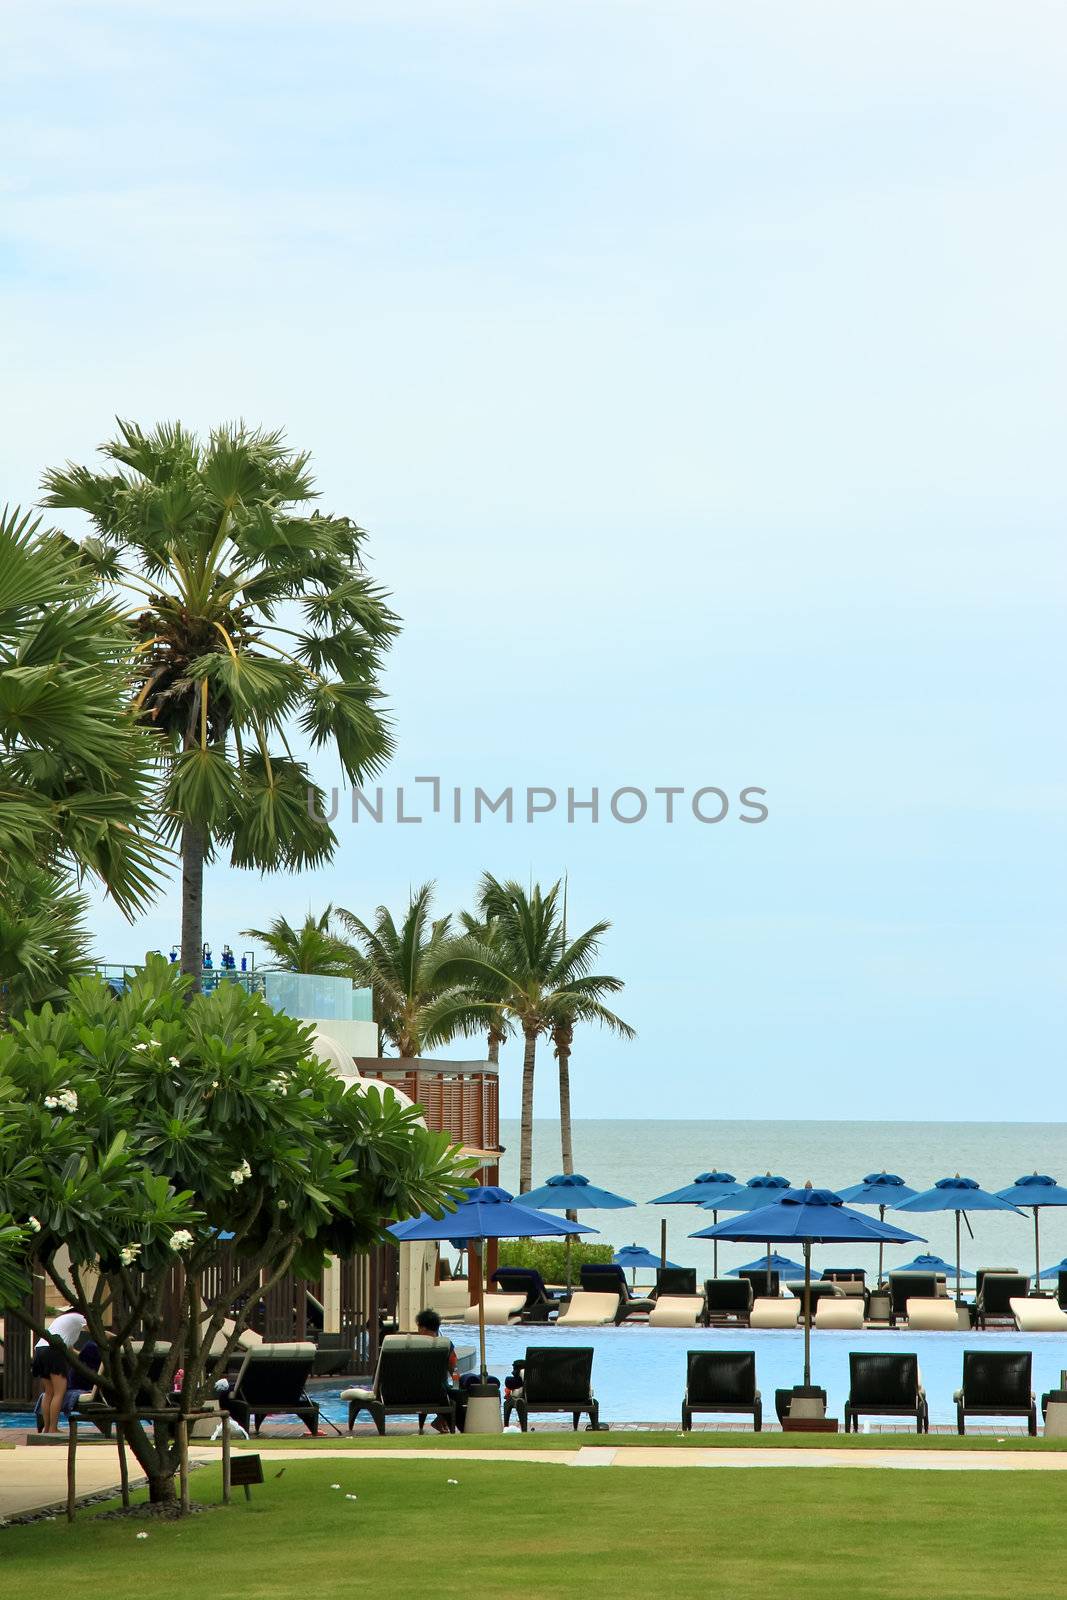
(742,1535)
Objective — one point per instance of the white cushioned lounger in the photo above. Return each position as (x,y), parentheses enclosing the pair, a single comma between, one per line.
(933,1316)
(768,1313)
(588,1309)
(499,1308)
(676,1311)
(1038,1316)
(450,1299)
(846,1313)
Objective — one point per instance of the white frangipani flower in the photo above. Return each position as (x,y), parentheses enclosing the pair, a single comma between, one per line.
(33,1224)
(51,1102)
(174,1061)
(181,1239)
(129,1253)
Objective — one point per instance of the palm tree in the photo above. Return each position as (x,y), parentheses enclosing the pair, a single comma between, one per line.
(75,771)
(213,546)
(537,977)
(309,948)
(400,965)
(485,989)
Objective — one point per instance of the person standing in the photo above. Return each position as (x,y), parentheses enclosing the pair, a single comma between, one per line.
(51,1363)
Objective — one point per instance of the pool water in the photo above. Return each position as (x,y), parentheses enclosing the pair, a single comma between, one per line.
(639,1372)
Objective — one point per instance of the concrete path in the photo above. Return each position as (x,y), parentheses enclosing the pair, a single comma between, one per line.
(34,1478)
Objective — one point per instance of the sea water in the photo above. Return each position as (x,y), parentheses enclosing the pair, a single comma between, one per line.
(640,1159)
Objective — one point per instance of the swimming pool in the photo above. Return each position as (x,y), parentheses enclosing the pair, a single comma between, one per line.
(639,1372)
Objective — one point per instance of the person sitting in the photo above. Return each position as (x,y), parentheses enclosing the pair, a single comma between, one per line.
(429,1323)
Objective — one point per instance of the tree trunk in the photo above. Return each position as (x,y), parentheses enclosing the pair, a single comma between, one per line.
(194,848)
(562,1037)
(496,1039)
(161,1489)
(526,1128)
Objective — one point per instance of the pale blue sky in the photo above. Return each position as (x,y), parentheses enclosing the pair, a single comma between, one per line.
(699,372)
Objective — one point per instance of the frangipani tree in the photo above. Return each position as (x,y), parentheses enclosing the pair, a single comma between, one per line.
(252,617)
(132,1132)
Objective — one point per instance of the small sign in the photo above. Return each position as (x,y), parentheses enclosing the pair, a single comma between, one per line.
(246,1469)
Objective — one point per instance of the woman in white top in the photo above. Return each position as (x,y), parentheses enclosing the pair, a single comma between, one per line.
(51,1363)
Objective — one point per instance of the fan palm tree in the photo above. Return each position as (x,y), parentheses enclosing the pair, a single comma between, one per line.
(535,976)
(309,948)
(75,771)
(400,965)
(213,547)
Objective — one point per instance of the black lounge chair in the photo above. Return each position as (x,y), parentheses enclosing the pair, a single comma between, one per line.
(675,1280)
(411,1379)
(272,1382)
(765,1285)
(996,1383)
(540,1302)
(844,1275)
(554,1378)
(885,1385)
(1061,1290)
(721,1381)
(998,1290)
(603,1277)
(905,1286)
(727,1299)
(334,1354)
(91,1403)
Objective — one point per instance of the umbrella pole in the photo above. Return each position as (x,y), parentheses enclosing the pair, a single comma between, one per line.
(1037,1253)
(959,1292)
(481,1307)
(807,1313)
(715,1247)
(663,1241)
(569,1237)
(881,1246)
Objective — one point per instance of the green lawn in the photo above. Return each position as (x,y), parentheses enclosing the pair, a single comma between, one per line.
(564,1439)
(556,1531)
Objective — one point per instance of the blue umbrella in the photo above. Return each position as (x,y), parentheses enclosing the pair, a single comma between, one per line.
(808,1216)
(750,1196)
(705,1190)
(1035,1189)
(934,1264)
(1054,1272)
(774,1263)
(485,1213)
(959,1195)
(634,1256)
(570,1191)
(879,1189)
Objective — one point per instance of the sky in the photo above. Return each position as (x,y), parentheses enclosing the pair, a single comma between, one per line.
(697,371)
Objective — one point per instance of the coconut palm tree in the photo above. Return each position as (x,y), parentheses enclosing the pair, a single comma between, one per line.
(309,948)
(400,966)
(538,978)
(215,552)
(75,771)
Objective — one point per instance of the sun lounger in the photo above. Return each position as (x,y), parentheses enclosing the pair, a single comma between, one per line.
(675,1280)
(994,1301)
(844,1313)
(1038,1316)
(721,1381)
(819,1291)
(334,1354)
(604,1277)
(587,1310)
(1061,1289)
(727,1300)
(765,1285)
(500,1309)
(985,1272)
(272,1382)
(411,1379)
(450,1300)
(677,1311)
(555,1378)
(905,1286)
(932,1316)
(541,1304)
(885,1385)
(774,1314)
(996,1383)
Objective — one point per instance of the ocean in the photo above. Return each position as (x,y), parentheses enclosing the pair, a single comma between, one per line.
(639,1159)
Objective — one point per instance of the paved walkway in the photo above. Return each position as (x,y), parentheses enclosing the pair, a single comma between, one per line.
(33,1478)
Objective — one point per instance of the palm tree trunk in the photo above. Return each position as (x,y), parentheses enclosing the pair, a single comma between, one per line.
(496,1039)
(526,1126)
(194,849)
(563,1036)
